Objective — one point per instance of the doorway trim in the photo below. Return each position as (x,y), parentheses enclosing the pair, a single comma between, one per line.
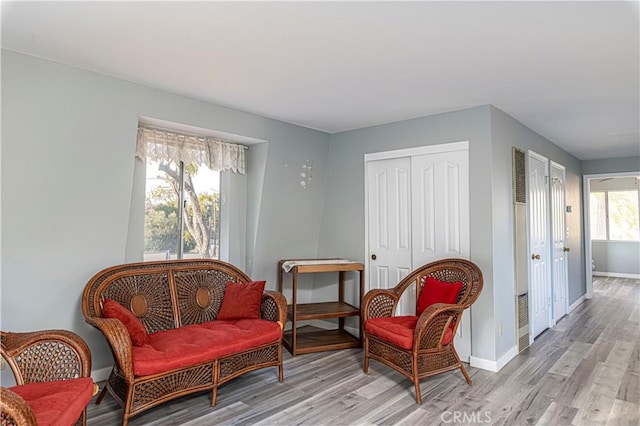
(418,150)
(588,254)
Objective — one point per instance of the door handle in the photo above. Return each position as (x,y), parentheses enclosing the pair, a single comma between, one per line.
(566,249)
(535,256)
(374,257)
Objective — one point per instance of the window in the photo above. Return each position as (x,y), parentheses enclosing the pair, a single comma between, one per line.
(182,214)
(194,230)
(614,215)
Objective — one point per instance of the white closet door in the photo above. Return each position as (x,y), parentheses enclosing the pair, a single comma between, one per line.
(559,238)
(440,206)
(539,279)
(389,195)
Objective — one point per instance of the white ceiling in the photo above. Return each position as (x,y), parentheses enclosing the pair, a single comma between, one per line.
(568,70)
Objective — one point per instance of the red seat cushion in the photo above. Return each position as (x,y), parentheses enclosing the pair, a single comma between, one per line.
(241,300)
(57,403)
(399,330)
(193,344)
(137,332)
(436,291)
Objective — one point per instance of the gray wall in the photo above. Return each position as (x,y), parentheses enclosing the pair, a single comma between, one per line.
(618,257)
(68,143)
(611,165)
(508,132)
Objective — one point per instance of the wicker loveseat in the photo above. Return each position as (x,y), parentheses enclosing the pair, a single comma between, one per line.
(184,345)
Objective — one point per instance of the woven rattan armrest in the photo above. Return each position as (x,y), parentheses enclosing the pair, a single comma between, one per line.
(119,342)
(47,355)
(379,304)
(15,410)
(274,307)
(433,323)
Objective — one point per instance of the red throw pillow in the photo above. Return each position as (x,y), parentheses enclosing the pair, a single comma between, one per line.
(436,291)
(137,332)
(242,300)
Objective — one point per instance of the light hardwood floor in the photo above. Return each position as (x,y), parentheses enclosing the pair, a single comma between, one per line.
(584,371)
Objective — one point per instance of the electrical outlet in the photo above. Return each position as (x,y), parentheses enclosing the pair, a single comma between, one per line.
(501,329)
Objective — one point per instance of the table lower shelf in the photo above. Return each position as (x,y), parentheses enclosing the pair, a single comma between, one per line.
(313,339)
(323,310)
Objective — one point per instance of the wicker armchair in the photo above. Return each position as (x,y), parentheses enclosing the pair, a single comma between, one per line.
(52,369)
(430,350)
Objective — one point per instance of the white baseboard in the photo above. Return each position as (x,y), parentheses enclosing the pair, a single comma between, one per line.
(101,374)
(494,366)
(616,275)
(577,302)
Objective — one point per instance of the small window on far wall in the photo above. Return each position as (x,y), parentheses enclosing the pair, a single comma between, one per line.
(614,215)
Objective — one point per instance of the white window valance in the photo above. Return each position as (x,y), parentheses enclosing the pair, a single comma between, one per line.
(162,145)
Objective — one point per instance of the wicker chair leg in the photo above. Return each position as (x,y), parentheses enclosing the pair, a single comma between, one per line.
(280,364)
(466,375)
(103,392)
(128,405)
(216,378)
(366,355)
(214,396)
(416,383)
(464,372)
(416,379)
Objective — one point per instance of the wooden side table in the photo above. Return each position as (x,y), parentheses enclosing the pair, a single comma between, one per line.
(308,339)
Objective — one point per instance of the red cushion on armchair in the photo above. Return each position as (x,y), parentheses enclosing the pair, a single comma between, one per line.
(57,403)
(399,330)
(436,291)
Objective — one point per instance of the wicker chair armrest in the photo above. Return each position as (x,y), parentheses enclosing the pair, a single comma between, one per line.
(46,355)
(119,341)
(379,303)
(274,307)
(15,410)
(433,323)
